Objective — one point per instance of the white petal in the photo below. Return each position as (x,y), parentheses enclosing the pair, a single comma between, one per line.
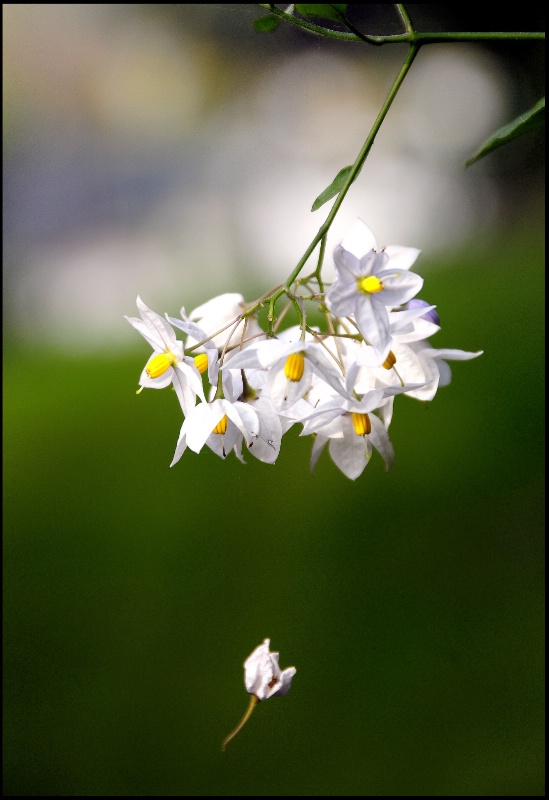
(227,306)
(181,446)
(200,423)
(401,257)
(285,682)
(350,454)
(373,321)
(399,288)
(319,444)
(359,239)
(157,325)
(154,340)
(452,355)
(380,440)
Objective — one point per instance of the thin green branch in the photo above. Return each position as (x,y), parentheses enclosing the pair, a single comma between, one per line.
(410,36)
(405,18)
(357,166)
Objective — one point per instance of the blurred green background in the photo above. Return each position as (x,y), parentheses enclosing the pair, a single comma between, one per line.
(410,602)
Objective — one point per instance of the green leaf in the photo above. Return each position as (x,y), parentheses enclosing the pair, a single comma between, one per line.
(268,23)
(322,10)
(526,122)
(334,188)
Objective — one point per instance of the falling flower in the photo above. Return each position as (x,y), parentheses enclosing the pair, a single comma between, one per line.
(263,678)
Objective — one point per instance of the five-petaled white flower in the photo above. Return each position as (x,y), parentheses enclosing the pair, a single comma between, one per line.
(369,282)
(263,678)
(168,363)
(290,366)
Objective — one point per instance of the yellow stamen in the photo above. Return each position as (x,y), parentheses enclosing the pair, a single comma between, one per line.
(140,390)
(294,367)
(361,423)
(201,363)
(221,426)
(158,365)
(370,285)
(390,362)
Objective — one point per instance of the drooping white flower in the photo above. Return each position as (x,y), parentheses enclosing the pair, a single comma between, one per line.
(218,425)
(351,430)
(290,366)
(207,356)
(262,674)
(168,363)
(370,281)
(418,362)
(263,678)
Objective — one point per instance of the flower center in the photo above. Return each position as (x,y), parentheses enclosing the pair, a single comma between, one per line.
(369,285)
(390,361)
(201,363)
(361,423)
(294,366)
(221,426)
(158,365)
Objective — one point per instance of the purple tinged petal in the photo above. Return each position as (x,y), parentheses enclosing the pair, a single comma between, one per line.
(372,319)
(373,263)
(399,288)
(347,265)
(429,312)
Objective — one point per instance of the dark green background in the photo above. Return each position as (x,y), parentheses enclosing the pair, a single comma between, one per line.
(411,602)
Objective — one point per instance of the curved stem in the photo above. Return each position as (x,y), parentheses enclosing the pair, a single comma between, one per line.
(357,166)
(410,37)
(253,702)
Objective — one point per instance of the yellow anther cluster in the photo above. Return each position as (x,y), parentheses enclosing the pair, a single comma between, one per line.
(294,366)
(221,426)
(361,423)
(159,364)
(201,363)
(369,285)
(390,361)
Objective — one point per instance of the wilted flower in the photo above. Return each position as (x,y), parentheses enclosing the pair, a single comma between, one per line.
(263,679)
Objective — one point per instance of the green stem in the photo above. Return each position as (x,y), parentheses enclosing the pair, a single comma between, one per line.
(405,18)
(253,702)
(410,37)
(357,166)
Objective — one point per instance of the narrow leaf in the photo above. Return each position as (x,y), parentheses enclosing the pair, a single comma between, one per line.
(334,188)
(268,23)
(526,122)
(322,10)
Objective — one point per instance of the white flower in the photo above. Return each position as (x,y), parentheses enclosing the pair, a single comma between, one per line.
(370,281)
(421,363)
(262,675)
(219,318)
(263,679)
(290,368)
(219,425)
(208,349)
(351,430)
(168,363)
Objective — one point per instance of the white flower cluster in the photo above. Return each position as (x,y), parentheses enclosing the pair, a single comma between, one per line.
(339,384)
